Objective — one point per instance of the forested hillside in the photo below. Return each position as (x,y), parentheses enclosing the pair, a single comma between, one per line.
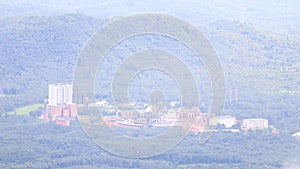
(29,143)
(36,51)
(262,67)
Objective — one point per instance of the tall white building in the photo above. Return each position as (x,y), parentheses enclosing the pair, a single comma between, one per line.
(68,93)
(60,94)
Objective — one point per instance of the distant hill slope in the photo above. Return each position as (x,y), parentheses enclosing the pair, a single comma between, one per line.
(35,51)
(274,15)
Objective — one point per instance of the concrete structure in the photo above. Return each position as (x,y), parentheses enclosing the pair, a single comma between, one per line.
(193,119)
(175,104)
(60,94)
(193,116)
(254,124)
(228,121)
(79,97)
(54,112)
(102,103)
(62,121)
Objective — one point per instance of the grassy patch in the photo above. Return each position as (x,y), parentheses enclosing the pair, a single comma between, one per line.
(26,109)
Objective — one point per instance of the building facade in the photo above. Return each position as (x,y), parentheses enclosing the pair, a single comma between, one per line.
(227,121)
(60,94)
(61,111)
(254,124)
(60,107)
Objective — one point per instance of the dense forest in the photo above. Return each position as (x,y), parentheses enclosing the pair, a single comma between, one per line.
(30,143)
(36,51)
(261,66)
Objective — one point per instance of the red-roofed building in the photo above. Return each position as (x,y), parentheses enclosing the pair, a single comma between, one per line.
(62,121)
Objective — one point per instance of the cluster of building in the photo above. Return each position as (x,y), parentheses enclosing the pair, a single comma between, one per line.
(192,118)
(60,107)
(245,124)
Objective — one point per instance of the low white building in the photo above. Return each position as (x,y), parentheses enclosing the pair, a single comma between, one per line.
(254,124)
(228,121)
(102,103)
(174,103)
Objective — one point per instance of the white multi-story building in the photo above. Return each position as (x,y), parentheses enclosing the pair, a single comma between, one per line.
(60,94)
(254,124)
(68,93)
(228,121)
